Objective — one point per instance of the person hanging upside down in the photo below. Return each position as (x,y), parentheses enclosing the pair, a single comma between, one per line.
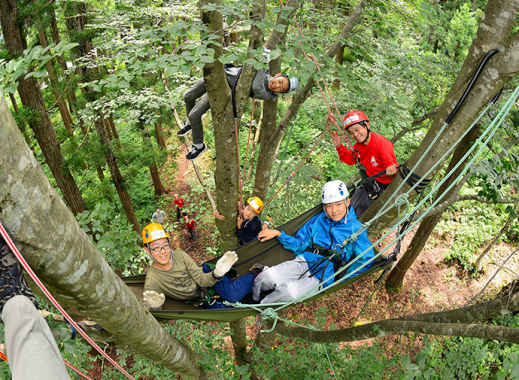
(374,152)
(321,246)
(175,273)
(264,86)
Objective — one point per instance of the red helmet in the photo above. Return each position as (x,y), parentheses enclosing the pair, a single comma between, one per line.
(354,117)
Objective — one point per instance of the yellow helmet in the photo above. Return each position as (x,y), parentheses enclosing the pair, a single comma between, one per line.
(152,232)
(256,203)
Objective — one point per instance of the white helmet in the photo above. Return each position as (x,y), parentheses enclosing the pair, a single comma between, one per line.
(334,191)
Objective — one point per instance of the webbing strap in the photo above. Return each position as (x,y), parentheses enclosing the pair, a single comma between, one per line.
(51,298)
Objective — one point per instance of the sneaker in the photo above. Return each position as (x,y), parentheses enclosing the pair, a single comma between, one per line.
(257,268)
(12,281)
(195,151)
(185,129)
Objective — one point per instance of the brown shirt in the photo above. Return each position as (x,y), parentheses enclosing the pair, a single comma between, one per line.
(182,281)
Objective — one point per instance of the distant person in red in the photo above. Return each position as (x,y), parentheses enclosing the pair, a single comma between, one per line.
(180,203)
(190,225)
(375,154)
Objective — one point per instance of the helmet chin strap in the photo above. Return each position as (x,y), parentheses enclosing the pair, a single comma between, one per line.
(367,134)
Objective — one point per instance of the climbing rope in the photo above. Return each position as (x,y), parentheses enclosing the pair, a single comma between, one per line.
(51,298)
(480,144)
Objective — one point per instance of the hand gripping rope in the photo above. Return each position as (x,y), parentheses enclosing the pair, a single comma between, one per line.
(51,298)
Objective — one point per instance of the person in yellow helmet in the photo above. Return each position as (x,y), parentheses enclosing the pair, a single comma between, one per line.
(248,223)
(175,274)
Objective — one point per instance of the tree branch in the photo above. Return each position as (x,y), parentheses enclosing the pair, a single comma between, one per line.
(303,94)
(415,125)
(457,322)
(444,205)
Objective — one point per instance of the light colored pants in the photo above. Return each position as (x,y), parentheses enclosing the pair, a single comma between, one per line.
(31,348)
(284,279)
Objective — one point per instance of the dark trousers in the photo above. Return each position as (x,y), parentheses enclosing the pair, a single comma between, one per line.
(195,109)
(232,290)
(360,199)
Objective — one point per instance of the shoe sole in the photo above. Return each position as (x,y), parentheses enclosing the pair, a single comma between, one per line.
(183,134)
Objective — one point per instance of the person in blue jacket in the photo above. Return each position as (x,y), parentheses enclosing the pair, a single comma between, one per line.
(321,246)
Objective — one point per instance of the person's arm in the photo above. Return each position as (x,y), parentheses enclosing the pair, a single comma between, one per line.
(361,247)
(345,155)
(387,154)
(299,243)
(204,280)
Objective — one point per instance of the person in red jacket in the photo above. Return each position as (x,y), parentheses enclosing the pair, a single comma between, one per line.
(190,225)
(180,203)
(375,154)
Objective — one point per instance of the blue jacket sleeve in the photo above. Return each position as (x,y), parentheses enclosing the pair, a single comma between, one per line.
(300,242)
(361,247)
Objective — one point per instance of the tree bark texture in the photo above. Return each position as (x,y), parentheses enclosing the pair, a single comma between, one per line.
(270,135)
(159,136)
(32,98)
(226,173)
(457,322)
(64,258)
(395,280)
(494,32)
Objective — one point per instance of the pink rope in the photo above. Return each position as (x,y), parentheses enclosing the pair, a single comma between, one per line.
(51,298)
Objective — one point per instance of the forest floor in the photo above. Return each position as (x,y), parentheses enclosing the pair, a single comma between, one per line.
(430,285)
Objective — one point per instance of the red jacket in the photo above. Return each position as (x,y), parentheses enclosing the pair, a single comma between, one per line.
(190,225)
(376,156)
(179,202)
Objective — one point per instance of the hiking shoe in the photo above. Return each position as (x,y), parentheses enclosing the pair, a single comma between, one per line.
(195,151)
(12,281)
(185,129)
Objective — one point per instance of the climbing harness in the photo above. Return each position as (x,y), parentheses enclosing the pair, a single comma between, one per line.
(51,298)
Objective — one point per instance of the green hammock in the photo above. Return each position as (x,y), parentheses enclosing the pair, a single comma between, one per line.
(268,253)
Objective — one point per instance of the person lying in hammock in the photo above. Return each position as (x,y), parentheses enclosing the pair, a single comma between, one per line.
(175,274)
(321,246)
(264,86)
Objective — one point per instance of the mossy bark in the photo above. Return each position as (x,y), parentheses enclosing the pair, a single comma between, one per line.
(64,258)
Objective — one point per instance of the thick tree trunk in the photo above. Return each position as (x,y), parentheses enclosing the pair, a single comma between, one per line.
(226,173)
(495,32)
(395,280)
(273,136)
(64,258)
(239,341)
(458,322)
(31,97)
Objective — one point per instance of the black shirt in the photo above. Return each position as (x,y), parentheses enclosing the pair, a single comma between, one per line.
(249,230)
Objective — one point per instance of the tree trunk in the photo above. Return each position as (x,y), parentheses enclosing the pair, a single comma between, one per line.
(64,258)
(53,78)
(495,32)
(32,98)
(117,178)
(76,21)
(226,173)
(273,136)
(239,341)
(457,322)
(395,280)
(159,136)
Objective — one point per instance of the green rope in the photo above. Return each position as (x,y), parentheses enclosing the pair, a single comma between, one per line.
(480,143)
